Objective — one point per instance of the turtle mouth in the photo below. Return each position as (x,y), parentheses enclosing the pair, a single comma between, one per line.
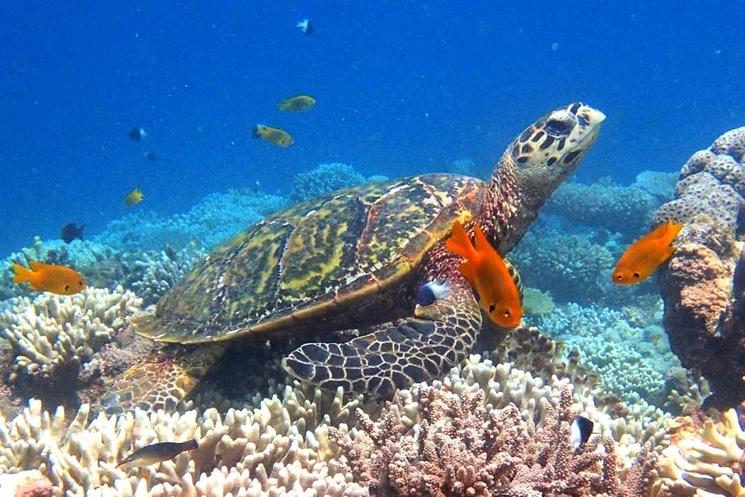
(589,121)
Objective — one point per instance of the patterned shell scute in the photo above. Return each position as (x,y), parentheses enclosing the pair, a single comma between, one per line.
(312,254)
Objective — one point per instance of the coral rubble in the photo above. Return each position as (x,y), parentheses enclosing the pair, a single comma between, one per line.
(697,284)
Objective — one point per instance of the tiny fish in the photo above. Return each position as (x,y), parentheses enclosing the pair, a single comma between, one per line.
(49,278)
(305,26)
(644,256)
(275,136)
(299,103)
(151,156)
(580,431)
(490,276)
(158,452)
(134,197)
(71,232)
(429,292)
(137,134)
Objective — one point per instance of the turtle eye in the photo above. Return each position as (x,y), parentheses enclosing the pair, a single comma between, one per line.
(560,126)
(492,308)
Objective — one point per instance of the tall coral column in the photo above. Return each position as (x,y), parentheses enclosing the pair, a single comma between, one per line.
(704,311)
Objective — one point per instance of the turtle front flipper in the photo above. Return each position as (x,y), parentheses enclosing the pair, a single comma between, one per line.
(161,380)
(396,354)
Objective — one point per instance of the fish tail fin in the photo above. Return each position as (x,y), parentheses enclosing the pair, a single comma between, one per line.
(459,243)
(481,242)
(468,270)
(22,274)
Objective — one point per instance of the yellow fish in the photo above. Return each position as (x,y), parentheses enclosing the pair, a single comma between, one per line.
(49,278)
(275,136)
(134,197)
(158,452)
(299,103)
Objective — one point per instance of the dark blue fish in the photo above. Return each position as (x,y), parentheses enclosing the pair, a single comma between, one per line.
(429,292)
(70,232)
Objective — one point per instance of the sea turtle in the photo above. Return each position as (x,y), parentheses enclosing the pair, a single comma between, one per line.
(354,260)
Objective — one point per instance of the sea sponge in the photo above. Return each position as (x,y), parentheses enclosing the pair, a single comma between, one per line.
(52,332)
(322,179)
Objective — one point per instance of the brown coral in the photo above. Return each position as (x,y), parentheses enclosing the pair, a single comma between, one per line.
(460,448)
(701,317)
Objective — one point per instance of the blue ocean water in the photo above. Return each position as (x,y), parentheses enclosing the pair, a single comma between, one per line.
(402,87)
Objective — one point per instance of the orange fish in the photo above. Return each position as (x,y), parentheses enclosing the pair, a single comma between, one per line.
(487,272)
(49,278)
(645,255)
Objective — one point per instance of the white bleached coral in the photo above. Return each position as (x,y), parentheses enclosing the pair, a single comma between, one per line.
(280,448)
(51,331)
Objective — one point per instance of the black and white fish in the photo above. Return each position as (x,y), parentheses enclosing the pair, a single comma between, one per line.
(429,292)
(580,432)
(305,26)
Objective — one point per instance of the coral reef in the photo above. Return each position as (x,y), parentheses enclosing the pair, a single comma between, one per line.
(460,447)
(697,284)
(607,343)
(624,209)
(537,303)
(51,335)
(703,459)
(322,179)
(660,185)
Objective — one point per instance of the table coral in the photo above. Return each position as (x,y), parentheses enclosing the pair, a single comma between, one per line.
(51,333)
(697,283)
(461,448)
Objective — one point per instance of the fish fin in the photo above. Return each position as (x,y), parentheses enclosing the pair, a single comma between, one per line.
(468,270)
(459,243)
(673,229)
(22,274)
(481,243)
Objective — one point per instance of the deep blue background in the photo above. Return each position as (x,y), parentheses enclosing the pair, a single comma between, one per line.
(402,87)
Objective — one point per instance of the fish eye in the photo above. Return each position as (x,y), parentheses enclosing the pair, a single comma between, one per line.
(507,313)
(637,275)
(67,288)
(619,277)
(492,308)
(80,283)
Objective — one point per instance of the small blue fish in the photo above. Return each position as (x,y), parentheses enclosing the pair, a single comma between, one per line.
(429,292)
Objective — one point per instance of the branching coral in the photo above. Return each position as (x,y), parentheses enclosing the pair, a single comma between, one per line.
(278,449)
(703,460)
(461,448)
(53,333)
(323,179)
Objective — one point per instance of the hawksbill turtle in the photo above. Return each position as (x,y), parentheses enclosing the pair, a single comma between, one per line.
(354,260)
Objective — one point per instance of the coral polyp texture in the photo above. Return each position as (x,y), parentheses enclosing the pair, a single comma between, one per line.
(702,305)
(322,179)
(51,332)
(703,461)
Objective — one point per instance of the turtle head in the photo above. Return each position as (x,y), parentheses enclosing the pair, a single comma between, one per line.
(550,150)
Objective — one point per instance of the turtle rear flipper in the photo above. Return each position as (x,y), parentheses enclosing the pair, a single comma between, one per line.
(396,354)
(161,380)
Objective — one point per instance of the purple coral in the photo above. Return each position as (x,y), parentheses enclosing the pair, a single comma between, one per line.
(460,448)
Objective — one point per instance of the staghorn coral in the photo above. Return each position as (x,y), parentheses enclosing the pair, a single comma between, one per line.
(322,179)
(280,448)
(461,448)
(697,284)
(703,459)
(52,335)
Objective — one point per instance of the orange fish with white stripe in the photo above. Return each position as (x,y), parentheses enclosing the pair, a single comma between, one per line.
(645,255)
(487,272)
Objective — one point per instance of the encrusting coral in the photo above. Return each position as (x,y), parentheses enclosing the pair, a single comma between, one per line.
(697,284)
(322,179)
(459,447)
(52,333)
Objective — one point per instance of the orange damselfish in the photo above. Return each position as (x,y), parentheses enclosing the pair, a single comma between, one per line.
(645,255)
(49,278)
(487,272)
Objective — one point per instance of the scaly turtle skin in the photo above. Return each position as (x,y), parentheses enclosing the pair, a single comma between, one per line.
(353,260)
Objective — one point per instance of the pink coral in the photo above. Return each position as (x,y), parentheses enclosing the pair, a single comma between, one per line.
(460,448)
